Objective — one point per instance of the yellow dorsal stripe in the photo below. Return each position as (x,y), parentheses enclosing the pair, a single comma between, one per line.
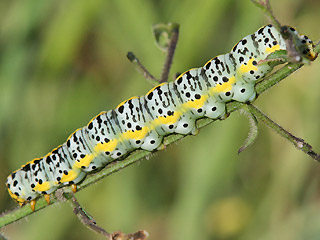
(137,134)
(72,175)
(197,103)
(225,87)
(273,49)
(45,186)
(247,68)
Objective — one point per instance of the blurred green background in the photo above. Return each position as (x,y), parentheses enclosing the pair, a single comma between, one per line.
(62,62)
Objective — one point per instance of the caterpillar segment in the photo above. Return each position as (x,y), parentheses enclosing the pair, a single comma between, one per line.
(142,122)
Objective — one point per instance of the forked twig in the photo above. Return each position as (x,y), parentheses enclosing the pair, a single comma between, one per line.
(299,143)
(89,222)
(146,74)
(170,47)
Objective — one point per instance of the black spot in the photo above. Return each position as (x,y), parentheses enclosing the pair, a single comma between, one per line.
(65,172)
(228,94)
(251,72)
(82,155)
(303,41)
(254,63)
(138,128)
(171,126)
(292,29)
(120,109)
(17,194)
(213,109)
(185,125)
(152,142)
(188,75)
(225,79)
(235,47)
(29,198)
(40,181)
(32,185)
(197,96)
(15,183)
(150,95)
(74,155)
(138,142)
(260,30)
(98,138)
(90,126)
(58,179)
(33,166)
(215,78)
(83,167)
(241,59)
(217,61)
(266,40)
(118,153)
(160,111)
(129,125)
(94,167)
(188,94)
(243,90)
(107,153)
(26,168)
(274,42)
(199,110)
(68,143)
(244,41)
(170,113)
(106,140)
(60,171)
(208,65)
(179,80)
(258,76)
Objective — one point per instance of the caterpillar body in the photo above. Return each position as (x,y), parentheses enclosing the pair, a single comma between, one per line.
(142,122)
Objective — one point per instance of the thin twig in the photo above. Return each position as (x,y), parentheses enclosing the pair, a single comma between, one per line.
(147,75)
(86,219)
(170,53)
(89,222)
(266,8)
(299,143)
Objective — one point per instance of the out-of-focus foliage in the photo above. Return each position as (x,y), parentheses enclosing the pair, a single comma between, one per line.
(62,62)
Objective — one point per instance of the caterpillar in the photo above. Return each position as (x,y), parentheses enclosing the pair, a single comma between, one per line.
(142,122)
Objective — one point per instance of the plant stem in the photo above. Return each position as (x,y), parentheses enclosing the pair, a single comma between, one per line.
(170,53)
(136,156)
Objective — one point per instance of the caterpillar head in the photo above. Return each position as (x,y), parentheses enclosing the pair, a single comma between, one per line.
(303,45)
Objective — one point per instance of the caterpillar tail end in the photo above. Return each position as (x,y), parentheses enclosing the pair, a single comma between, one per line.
(74,188)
